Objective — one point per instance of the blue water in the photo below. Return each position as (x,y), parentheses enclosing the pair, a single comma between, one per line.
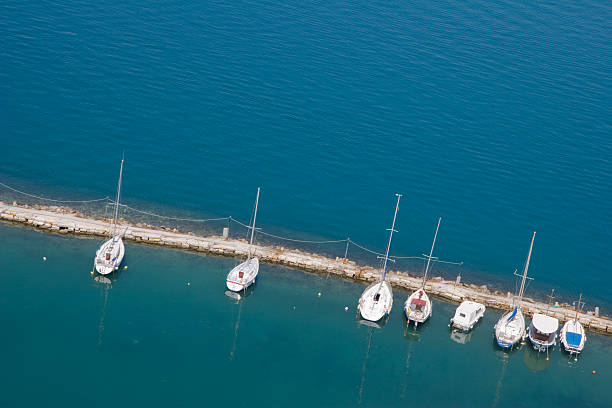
(164,335)
(495,116)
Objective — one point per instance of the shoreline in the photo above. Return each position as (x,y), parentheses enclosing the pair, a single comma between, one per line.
(64,220)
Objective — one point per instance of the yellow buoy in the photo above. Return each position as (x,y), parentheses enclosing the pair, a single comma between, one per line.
(319,294)
(91,272)
(125,267)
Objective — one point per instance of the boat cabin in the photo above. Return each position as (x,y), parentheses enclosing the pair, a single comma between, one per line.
(418,304)
(467,314)
(543,328)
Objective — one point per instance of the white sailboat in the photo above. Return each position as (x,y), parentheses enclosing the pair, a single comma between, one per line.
(573,336)
(110,254)
(510,328)
(418,305)
(376,300)
(245,274)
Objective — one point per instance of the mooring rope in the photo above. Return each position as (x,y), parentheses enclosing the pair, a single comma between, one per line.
(229,219)
(51,199)
(172,218)
(303,241)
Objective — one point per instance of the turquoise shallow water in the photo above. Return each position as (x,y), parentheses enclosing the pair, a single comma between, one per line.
(154,340)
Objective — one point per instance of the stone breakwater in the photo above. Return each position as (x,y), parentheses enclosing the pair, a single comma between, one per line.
(64,220)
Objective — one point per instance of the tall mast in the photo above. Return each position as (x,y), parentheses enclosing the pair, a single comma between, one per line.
(390,237)
(117,200)
(578,307)
(254,218)
(526,268)
(431,253)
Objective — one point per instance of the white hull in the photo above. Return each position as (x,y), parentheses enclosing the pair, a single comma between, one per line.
(466,316)
(376,301)
(109,256)
(243,275)
(418,307)
(510,328)
(543,331)
(573,336)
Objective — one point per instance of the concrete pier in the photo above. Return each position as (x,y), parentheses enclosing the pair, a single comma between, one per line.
(64,220)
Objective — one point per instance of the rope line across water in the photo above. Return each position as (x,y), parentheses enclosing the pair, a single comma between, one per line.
(302,241)
(51,199)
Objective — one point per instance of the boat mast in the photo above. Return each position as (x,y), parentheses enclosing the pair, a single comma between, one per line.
(392,230)
(578,307)
(526,268)
(431,253)
(117,200)
(253,227)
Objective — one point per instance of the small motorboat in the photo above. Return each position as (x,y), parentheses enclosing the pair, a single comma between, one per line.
(468,313)
(543,331)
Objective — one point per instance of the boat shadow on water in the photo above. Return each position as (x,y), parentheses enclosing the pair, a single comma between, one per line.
(534,360)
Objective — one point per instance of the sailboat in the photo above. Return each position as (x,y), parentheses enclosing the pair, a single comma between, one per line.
(573,336)
(418,305)
(376,300)
(110,254)
(510,328)
(245,274)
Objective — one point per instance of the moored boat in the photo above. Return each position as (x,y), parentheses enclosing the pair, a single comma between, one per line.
(418,305)
(468,313)
(573,335)
(543,331)
(245,274)
(376,300)
(110,254)
(510,328)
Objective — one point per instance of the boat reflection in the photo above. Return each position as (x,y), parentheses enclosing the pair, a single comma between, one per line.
(534,360)
(461,337)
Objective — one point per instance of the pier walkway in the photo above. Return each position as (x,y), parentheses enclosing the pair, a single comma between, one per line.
(64,220)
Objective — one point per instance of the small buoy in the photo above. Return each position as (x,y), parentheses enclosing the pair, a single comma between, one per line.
(125,267)
(91,273)
(345,308)
(188,283)
(293,307)
(44,258)
(593,371)
(319,294)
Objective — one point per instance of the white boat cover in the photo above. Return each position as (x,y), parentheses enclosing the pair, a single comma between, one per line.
(545,324)
(376,301)
(467,314)
(109,256)
(243,275)
(418,306)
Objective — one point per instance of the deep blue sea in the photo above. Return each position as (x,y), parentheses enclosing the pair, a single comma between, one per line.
(496,116)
